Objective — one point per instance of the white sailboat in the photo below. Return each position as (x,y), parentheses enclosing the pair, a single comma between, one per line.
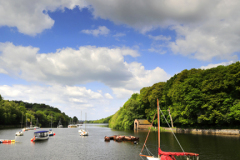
(51,133)
(83,132)
(36,126)
(31,126)
(60,124)
(166,155)
(19,133)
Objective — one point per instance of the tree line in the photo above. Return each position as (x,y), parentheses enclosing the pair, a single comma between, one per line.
(197,98)
(17,113)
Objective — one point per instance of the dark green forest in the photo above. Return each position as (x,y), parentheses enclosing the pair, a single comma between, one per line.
(197,98)
(15,113)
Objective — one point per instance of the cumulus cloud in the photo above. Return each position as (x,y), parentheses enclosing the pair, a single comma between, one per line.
(102,30)
(77,66)
(215,65)
(108,96)
(70,99)
(205,29)
(30,17)
(160,38)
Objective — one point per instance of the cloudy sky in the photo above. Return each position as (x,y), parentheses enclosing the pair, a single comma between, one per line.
(89,56)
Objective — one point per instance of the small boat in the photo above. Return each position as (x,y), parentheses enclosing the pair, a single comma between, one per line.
(127,138)
(119,139)
(40,136)
(83,132)
(51,133)
(161,154)
(60,124)
(107,138)
(36,126)
(72,126)
(19,133)
(6,141)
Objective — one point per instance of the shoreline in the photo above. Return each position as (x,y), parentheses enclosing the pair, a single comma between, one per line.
(235,132)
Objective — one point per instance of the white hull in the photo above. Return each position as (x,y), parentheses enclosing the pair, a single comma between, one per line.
(82,132)
(60,126)
(41,138)
(19,134)
(153,158)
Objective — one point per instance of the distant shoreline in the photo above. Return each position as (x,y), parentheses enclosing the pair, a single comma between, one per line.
(235,132)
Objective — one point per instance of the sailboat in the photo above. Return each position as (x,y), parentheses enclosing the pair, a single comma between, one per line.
(51,133)
(166,155)
(60,124)
(26,128)
(31,126)
(36,127)
(83,132)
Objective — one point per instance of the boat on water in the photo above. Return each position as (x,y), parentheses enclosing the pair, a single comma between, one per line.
(36,126)
(6,141)
(72,126)
(162,155)
(19,133)
(59,124)
(51,133)
(83,132)
(40,136)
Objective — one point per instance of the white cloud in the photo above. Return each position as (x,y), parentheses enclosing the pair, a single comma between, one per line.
(67,65)
(215,65)
(108,96)
(69,99)
(123,93)
(160,38)
(102,30)
(30,17)
(119,35)
(86,64)
(205,29)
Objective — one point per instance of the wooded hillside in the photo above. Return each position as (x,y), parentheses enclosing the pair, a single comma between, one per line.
(196,98)
(15,112)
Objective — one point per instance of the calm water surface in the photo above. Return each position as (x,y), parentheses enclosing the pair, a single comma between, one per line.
(67,144)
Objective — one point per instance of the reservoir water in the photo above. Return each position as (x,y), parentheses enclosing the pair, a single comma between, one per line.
(67,144)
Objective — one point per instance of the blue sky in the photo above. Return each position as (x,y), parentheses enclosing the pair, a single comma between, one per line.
(89,56)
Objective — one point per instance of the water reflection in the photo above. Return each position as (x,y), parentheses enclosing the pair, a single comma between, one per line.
(68,144)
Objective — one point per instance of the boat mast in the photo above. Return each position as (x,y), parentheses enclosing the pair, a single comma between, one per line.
(51,120)
(158,125)
(22,120)
(26,120)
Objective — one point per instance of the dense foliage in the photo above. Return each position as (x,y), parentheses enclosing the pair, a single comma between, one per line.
(196,98)
(18,112)
(103,120)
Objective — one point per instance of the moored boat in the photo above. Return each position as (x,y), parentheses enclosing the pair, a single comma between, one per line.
(60,124)
(40,136)
(72,126)
(51,133)
(19,133)
(82,132)
(107,138)
(165,155)
(6,141)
